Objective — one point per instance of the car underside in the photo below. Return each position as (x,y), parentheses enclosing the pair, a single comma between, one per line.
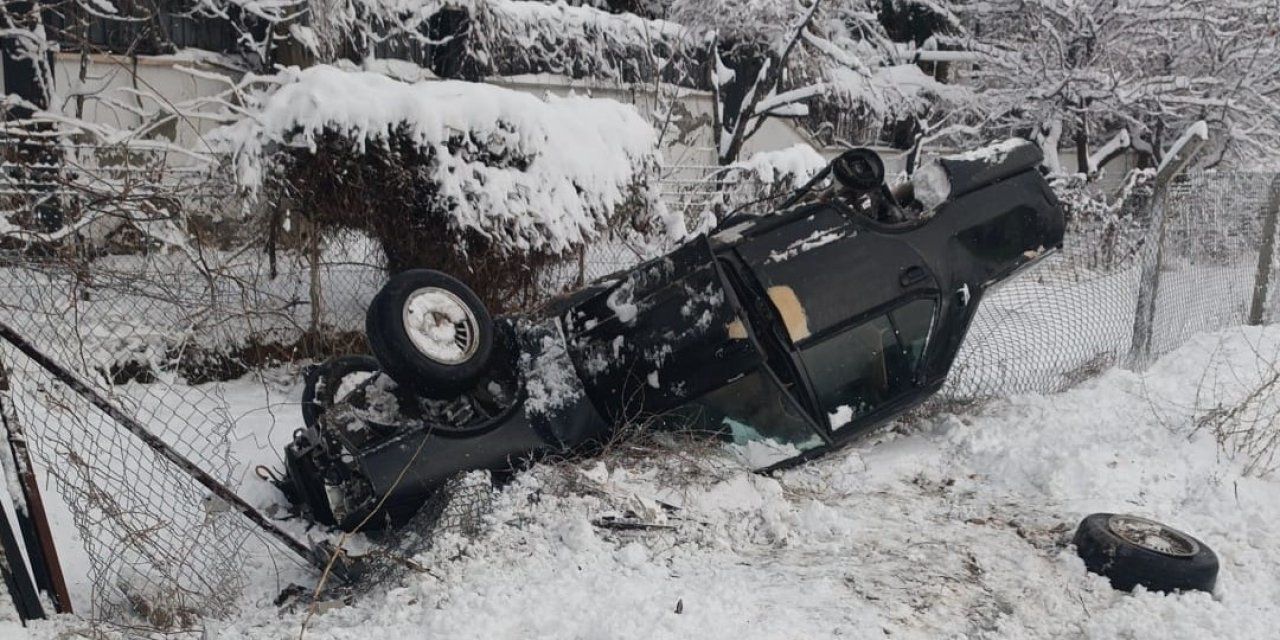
(791,333)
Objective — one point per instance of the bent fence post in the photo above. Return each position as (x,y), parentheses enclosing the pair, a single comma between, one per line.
(32,519)
(1181,155)
(1266,253)
(21,586)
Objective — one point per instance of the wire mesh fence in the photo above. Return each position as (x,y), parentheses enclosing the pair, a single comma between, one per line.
(155,550)
(1077,313)
(160,329)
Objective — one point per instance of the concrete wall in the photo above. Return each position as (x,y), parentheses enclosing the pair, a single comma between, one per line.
(688,139)
(125,94)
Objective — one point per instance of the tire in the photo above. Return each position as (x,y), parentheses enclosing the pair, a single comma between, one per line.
(322,381)
(440,366)
(1132,551)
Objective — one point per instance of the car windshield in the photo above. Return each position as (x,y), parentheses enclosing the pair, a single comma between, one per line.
(753,408)
(857,370)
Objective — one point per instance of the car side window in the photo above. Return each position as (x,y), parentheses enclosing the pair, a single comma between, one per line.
(752,408)
(913,322)
(859,369)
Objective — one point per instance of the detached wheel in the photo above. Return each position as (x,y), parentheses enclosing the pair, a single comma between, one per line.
(430,332)
(322,382)
(1132,551)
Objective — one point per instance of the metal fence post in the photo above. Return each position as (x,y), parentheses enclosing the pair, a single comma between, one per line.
(1262,281)
(1149,284)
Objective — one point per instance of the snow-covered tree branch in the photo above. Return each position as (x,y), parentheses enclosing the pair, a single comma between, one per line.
(1109,74)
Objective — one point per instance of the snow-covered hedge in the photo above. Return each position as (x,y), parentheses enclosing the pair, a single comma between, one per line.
(525,173)
(511,38)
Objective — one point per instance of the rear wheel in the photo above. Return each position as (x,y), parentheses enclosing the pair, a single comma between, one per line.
(430,332)
(1132,551)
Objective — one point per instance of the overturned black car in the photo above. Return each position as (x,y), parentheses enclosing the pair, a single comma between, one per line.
(792,332)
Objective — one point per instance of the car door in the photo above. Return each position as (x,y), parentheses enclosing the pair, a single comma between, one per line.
(858,305)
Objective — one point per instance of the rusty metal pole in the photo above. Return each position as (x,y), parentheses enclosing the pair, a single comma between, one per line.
(1262,281)
(1149,284)
(42,550)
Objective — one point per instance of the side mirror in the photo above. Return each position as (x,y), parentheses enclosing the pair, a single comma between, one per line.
(859,170)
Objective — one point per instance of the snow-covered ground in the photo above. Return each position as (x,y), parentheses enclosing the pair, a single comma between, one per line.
(946,526)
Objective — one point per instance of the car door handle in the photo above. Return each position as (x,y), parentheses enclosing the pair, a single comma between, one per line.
(912,275)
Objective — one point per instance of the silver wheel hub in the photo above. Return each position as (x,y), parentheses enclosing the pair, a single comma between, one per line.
(441,326)
(1152,536)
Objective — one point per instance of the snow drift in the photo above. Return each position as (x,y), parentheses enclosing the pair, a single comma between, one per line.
(956,526)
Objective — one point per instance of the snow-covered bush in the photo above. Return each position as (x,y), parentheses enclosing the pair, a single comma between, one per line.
(512,38)
(490,183)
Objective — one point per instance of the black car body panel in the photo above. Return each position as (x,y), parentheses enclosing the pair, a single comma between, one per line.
(803,329)
(659,336)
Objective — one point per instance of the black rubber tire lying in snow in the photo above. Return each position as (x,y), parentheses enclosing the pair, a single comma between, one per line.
(321,382)
(455,355)
(1132,551)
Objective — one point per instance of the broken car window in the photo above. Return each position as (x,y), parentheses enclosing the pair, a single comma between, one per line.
(913,321)
(857,370)
(752,408)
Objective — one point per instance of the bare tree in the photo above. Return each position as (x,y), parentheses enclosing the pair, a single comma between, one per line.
(776,59)
(1110,75)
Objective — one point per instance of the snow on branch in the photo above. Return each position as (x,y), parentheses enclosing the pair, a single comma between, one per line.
(773,102)
(1106,152)
(570,161)
(745,22)
(534,37)
(792,166)
(478,38)
(752,186)
(1196,134)
(1144,66)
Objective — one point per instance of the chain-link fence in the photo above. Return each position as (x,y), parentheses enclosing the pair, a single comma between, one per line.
(154,551)
(1077,313)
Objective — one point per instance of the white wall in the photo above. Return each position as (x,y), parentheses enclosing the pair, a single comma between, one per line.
(686,144)
(121,93)
(688,147)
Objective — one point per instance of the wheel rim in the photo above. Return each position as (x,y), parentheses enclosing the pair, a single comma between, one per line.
(1153,536)
(441,326)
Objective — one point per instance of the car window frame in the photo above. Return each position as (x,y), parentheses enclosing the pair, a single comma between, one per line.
(739,283)
(919,376)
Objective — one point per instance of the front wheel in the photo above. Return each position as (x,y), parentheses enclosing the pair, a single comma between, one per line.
(430,332)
